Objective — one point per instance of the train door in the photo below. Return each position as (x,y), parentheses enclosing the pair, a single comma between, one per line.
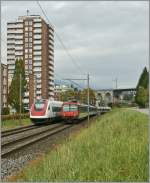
(49,109)
(54,110)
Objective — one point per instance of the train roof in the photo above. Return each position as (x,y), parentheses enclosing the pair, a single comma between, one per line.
(55,102)
(49,100)
(78,103)
(71,103)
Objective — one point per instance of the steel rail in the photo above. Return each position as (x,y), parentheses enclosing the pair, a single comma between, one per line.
(11,143)
(10,147)
(17,130)
(13,139)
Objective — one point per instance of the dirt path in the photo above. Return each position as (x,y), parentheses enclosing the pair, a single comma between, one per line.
(145,111)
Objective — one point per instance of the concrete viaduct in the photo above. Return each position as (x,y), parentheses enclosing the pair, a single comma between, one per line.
(106,96)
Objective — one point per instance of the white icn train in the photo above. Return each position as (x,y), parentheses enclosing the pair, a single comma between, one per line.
(44,110)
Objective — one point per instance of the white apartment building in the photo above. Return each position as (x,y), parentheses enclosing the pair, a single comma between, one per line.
(31,39)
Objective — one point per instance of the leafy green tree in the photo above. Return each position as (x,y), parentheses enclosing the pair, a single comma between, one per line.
(14,89)
(144,78)
(142,96)
(80,96)
(142,90)
(83,96)
(66,95)
(5,111)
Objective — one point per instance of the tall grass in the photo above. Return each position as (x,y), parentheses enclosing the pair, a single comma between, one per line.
(8,124)
(114,148)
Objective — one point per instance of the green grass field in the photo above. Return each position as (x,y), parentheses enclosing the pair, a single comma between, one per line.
(114,148)
(8,124)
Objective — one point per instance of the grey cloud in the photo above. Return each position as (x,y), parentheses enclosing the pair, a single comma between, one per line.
(108,39)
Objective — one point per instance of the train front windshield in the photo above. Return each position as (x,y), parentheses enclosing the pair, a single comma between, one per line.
(70,107)
(39,105)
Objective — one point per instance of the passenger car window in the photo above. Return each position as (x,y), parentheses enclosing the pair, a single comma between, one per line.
(56,109)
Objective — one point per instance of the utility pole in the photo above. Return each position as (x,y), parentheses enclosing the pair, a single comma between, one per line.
(88,96)
(27,12)
(116,83)
(115,87)
(20,97)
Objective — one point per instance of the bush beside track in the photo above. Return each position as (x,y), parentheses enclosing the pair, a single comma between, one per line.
(14,116)
(114,148)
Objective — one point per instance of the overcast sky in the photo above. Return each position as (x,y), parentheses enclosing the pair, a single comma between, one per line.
(107,39)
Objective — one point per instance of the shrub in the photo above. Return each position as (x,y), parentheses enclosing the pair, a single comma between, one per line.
(5,111)
(15,116)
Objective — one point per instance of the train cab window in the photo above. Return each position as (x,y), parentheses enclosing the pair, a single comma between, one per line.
(70,107)
(39,105)
(73,107)
(66,108)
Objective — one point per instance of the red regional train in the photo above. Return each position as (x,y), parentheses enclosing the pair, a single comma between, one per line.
(72,111)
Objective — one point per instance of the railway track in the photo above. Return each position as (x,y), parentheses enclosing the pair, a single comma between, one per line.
(14,140)
(17,130)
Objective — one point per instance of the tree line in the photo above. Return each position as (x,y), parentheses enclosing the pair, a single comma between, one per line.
(78,95)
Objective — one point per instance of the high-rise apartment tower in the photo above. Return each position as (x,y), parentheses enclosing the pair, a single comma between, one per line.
(31,39)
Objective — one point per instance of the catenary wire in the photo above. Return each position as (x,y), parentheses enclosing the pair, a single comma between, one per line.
(60,40)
